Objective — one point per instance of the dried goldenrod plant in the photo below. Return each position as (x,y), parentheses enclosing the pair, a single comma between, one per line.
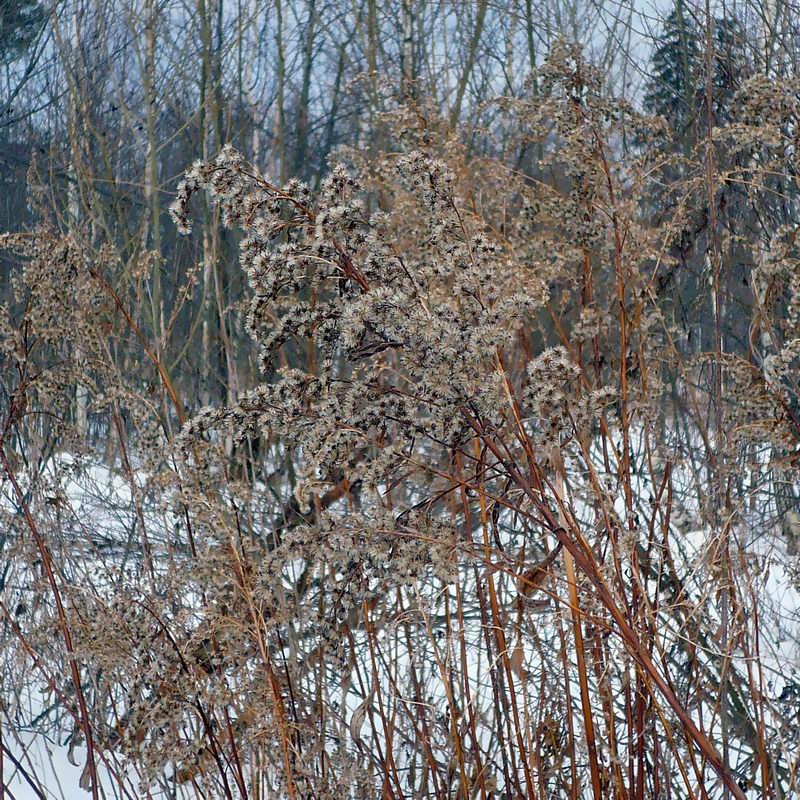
(490,524)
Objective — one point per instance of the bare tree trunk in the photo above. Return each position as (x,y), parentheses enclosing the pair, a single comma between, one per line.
(408,67)
(152,198)
(208,249)
(529,35)
(469,65)
(73,207)
(251,37)
(303,110)
(280,133)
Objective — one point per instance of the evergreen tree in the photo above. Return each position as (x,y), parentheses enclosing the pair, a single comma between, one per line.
(676,75)
(676,88)
(20,23)
(732,64)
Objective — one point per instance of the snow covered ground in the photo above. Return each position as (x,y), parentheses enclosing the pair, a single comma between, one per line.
(101,503)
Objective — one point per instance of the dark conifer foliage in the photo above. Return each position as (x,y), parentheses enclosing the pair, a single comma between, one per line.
(21,21)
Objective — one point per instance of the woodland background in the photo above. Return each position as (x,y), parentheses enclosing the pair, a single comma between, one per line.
(108,105)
